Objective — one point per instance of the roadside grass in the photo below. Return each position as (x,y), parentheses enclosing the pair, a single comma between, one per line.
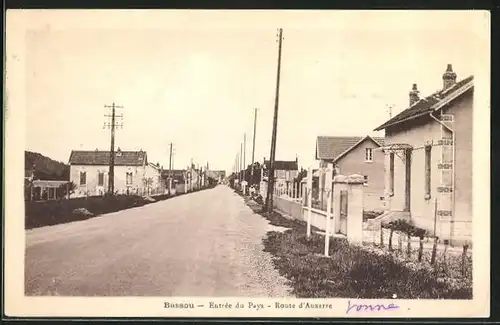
(276,219)
(350,271)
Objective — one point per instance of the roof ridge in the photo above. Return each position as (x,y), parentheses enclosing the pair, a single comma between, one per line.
(413,111)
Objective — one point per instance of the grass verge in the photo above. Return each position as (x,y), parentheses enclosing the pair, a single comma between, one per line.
(350,271)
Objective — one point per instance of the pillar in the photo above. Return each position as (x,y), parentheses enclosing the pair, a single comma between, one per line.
(353,184)
(329,194)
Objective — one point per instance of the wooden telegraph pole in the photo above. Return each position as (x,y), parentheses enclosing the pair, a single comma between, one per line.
(269,198)
(244,157)
(253,144)
(170,170)
(241,162)
(113,125)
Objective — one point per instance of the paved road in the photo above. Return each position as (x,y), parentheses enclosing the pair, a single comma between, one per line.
(207,243)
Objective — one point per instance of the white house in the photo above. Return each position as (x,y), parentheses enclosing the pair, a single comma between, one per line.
(89,171)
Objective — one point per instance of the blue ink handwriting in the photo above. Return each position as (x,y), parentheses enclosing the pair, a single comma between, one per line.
(369,307)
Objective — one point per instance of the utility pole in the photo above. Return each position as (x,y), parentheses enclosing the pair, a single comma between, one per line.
(241,161)
(244,156)
(170,170)
(389,110)
(253,145)
(173,156)
(206,174)
(113,126)
(269,198)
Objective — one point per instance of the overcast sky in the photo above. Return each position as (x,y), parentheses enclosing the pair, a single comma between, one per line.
(194,79)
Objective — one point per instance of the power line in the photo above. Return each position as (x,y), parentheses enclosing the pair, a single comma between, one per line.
(113,125)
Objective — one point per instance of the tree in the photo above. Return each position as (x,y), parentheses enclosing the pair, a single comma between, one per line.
(65,188)
(302,174)
(27,190)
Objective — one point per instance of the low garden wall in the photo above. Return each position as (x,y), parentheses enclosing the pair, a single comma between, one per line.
(318,218)
(288,207)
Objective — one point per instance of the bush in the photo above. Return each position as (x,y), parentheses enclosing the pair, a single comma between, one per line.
(367,215)
(47,213)
(406,227)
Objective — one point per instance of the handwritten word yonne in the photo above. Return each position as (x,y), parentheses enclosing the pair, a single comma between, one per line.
(368,307)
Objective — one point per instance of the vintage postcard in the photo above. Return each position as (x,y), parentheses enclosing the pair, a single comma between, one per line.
(247,163)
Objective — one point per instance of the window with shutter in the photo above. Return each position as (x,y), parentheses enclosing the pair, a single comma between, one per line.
(368,154)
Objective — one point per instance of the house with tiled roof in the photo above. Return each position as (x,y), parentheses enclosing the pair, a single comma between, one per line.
(285,171)
(356,155)
(428,159)
(89,171)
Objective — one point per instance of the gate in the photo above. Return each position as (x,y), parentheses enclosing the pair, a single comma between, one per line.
(343,212)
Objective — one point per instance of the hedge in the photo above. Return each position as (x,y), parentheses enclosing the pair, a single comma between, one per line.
(53,212)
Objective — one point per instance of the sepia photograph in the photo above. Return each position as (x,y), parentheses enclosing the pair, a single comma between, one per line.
(258,163)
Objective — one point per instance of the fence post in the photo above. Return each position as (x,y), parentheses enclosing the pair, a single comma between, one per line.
(381,235)
(434,247)
(409,246)
(390,239)
(309,200)
(464,257)
(420,248)
(328,188)
(400,243)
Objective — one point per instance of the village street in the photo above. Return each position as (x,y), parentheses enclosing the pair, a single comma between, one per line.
(207,243)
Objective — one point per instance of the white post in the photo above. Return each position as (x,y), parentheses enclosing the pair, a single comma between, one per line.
(309,199)
(328,188)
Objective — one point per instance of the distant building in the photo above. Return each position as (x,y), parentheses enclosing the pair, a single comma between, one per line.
(356,155)
(36,189)
(285,171)
(429,160)
(89,171)
(218,175)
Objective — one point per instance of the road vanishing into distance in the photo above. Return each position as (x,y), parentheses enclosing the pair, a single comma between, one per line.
(206,243)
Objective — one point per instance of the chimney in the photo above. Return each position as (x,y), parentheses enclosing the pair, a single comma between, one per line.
(414,95)
(449,77)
